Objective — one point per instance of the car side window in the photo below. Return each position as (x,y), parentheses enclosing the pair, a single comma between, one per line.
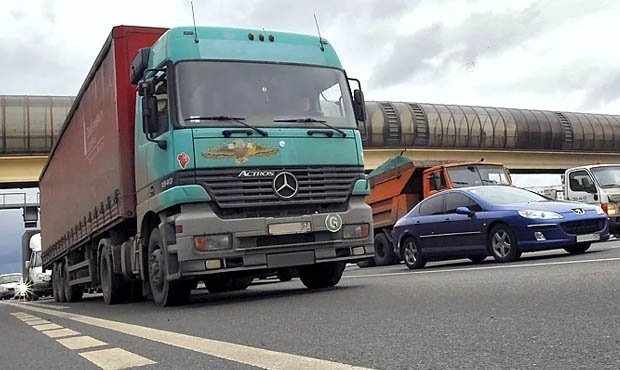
(455,200)
(432,206)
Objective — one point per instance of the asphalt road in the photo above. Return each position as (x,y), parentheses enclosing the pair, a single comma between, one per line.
(549,310)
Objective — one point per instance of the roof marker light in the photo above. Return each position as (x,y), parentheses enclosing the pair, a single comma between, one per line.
(251,36)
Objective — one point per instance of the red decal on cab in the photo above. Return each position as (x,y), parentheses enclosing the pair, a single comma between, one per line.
(183,160)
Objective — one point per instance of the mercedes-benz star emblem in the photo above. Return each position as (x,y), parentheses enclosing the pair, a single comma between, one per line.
(285,185)
(578,211)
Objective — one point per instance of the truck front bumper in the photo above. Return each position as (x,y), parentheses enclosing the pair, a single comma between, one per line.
(254,247)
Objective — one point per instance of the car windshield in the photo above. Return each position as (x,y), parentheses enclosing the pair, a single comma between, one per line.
(608,176)
(264,94)
(6,279)
(475,175)
(507,195)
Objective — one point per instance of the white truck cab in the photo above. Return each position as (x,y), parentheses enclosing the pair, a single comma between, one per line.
(596,184)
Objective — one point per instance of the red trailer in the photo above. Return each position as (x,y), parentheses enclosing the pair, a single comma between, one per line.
(97,137)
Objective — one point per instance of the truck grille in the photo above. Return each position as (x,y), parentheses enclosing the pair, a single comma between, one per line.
(583,227)
(319,189)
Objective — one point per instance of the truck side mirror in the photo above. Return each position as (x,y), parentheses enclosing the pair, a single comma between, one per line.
(27,264)
(146,89)
(359,105)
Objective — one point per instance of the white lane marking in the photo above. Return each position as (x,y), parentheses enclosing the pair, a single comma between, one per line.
(484,268)
(47,327)
(45,305)
(36,322)
(81,342)
(115,358)
(23,315)
(261,358)
(59,333)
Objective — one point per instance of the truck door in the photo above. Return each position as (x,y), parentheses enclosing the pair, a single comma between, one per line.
(581,187)
(463,233)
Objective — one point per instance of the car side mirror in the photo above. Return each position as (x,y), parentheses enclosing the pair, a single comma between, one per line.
(27,264)
(464,211)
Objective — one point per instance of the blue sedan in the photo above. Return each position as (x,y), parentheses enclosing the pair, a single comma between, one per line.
(501,221)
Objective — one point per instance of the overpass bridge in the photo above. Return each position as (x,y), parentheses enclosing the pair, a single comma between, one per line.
(525,140)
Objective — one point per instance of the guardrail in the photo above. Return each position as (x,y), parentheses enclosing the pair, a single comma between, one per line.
(18,200)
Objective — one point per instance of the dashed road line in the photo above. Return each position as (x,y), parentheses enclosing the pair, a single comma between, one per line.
(115,358)
(45,305)
(60,333)
(483,268)
(107,359)
(81,342)
(46,327)
(257,357)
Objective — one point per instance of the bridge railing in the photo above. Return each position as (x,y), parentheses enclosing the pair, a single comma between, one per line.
(18,200)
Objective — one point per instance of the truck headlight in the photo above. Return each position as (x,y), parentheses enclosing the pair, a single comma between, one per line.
(355,231)
(212,242)
(542,215)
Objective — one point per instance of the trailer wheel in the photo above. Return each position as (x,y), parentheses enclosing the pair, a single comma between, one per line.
(165,293)
(72,293)
(322,275)
(59,290)
(384,252)
(111,283)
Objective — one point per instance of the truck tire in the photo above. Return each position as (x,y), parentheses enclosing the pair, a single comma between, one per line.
(72,293)
(322,275)
(165,293)
(384,251)
(578,248)
(111,283)
(285,274)
(59,291)
(502,244)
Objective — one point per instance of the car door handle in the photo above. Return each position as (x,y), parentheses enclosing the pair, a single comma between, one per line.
(446,220)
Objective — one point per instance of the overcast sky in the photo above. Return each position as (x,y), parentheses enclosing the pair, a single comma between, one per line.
(557,55)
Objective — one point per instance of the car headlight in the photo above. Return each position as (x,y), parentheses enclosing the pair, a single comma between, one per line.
(599,210)
(355,231)
(543,215)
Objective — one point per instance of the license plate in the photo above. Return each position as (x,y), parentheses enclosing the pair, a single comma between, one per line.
(290,228)
(588,237)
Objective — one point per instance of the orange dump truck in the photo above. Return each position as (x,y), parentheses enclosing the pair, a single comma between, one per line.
(399,184)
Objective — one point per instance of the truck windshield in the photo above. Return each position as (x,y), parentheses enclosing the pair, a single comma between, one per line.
(265,94)
(461,176)
(608,176)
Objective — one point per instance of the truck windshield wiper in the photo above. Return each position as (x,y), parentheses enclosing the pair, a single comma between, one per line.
(312,120)
(228,118)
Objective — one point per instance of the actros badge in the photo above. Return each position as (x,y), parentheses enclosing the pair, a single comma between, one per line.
(333,222)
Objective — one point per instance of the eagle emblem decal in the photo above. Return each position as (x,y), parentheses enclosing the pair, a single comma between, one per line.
(240,150)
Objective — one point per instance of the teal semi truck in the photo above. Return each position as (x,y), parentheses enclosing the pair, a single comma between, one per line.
(206,154)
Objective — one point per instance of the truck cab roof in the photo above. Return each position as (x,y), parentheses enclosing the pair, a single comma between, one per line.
(241,44)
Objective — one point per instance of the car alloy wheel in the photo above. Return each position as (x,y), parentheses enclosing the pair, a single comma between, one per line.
(501,243)
(411,255)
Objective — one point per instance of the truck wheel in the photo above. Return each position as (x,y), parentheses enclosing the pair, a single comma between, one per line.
(384,252)
(578,248)
(322,275)
(165,293)
(59,290)
(111,283)
(503,244)
(411,254)
(72,293)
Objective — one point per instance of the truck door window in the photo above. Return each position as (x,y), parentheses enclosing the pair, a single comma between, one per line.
(438,181)
(432,206)
(580,181)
